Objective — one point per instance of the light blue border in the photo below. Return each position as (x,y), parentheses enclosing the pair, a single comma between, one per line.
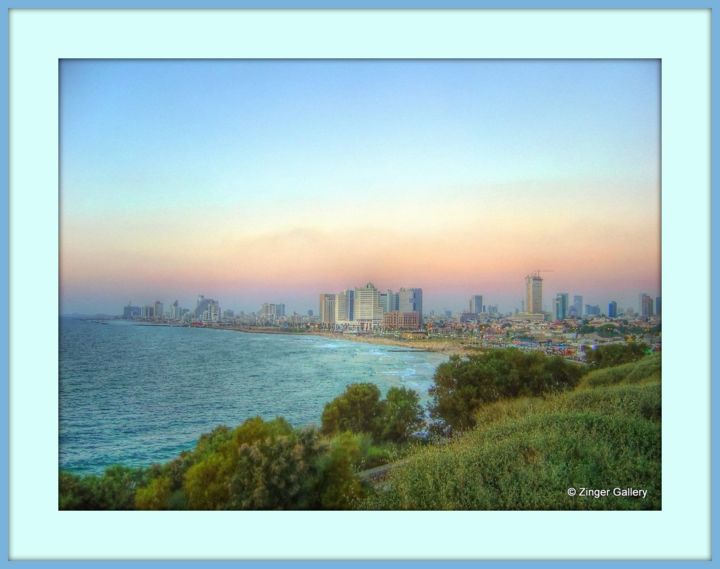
(338,4)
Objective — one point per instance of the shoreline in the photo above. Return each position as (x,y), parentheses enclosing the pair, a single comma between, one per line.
(442,346)
(419,345)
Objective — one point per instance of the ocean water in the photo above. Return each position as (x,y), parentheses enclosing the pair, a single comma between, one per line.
(136,395)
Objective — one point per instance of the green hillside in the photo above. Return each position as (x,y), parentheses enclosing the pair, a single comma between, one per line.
(524,454)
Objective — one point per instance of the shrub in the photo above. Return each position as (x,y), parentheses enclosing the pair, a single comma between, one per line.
(615,354)
(260,465)
(400,415)
(462,385)
(356,410)
(113,490)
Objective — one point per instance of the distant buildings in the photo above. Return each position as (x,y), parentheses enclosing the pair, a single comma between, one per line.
(365,307)
(533,293)
(612,309)
(130,312)
(327,308)
(658,306)
(476,304)
(561,305)
(158,310)
(592,310)
(344,306)
(207,310)
(410,300)
(646,306)
(578,305)
(396,320)
(148,312)
(367,310)
(269,313)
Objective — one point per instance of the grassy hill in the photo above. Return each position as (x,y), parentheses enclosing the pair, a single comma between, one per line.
(524,454)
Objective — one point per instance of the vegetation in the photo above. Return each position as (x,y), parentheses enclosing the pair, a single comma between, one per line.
(360,410)
(525,453)
(616,354)
(463,385)
(528,427)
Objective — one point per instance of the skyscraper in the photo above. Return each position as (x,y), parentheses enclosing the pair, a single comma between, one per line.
(578,305)
(207,309)
(366,305)
(344,306)
(388,300)
(533,293)
(561,305)
(410,300)
(658,306)
(612,309)
(476,304)
(646,305)
(327,308)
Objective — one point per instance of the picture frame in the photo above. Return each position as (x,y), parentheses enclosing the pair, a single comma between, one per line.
(31,273)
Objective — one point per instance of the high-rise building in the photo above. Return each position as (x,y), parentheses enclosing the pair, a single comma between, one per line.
(366,305)
(476,304)
(410,300)
(344,306)
(578,305)
(388,300)
(207,310)
(658,306)
(592,309)
(158,310)
(270,312)
(327,308)
(646,305)
(612,309)
(561,305)
(533,293)
(130,311)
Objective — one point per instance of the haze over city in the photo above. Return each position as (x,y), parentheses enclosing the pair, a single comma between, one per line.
(274,181)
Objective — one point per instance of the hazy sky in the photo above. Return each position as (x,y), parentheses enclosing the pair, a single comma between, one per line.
(273,181)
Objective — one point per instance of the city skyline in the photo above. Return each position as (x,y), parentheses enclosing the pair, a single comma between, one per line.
(261,181)
(549,304)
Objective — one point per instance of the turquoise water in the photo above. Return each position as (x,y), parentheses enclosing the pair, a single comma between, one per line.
(137,395)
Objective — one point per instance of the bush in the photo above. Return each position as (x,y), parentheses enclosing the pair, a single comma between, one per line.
(357,410)
(462,385)
(400,415)
(113,490)
(360,410)
(615,354)
(261,465)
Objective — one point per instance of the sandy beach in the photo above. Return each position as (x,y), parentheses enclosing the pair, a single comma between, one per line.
(430,345)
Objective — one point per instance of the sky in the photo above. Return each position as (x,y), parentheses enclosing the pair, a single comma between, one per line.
(254,181)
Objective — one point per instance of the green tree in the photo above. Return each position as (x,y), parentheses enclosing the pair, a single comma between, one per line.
(155,496)
(337,486)
(400,415)
(357,410)
(261,465)
(462,385)
(113,490)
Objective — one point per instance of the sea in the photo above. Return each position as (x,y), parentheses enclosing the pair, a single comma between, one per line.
(135,394)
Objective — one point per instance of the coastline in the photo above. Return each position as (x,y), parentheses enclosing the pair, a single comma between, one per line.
(420,345)
(443,346)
